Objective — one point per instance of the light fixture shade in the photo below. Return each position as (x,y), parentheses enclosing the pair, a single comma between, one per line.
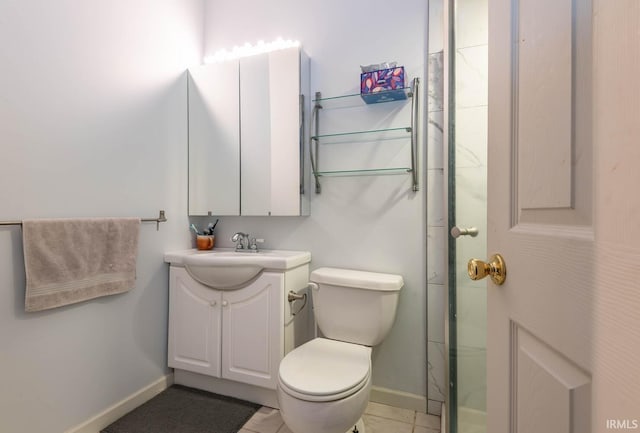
(247,49)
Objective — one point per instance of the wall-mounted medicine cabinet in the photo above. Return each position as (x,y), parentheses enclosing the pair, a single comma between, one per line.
(247,134)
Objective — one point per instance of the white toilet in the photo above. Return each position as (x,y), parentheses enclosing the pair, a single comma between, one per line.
(323,385)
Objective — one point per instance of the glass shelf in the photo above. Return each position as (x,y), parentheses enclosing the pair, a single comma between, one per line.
(365,172)
(395,133)
(406,129)
(407,91)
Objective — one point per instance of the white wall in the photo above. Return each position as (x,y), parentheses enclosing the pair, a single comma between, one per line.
(92,123)
(370,223)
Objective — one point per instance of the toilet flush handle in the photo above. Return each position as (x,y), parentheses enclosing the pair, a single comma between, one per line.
(313,286)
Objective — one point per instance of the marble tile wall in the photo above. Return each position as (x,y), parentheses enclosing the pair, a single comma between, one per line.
(471,58)
(436,237)
(436,213)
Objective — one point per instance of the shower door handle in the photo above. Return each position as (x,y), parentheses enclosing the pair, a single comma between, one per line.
(456,232)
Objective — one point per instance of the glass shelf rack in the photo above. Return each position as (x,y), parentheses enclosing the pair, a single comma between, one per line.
(411,92)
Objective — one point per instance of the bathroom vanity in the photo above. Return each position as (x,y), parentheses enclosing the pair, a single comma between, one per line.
(230,323)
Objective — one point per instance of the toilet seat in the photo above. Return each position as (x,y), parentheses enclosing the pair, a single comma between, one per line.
(325,370)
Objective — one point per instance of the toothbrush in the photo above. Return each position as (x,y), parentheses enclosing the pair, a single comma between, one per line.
(195,230)
(211,227)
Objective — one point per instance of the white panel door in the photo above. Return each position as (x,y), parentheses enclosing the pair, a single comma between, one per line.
(194,325)
(253,322)
(564,128)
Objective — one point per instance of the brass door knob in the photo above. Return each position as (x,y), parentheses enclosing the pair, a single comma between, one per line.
(496,268)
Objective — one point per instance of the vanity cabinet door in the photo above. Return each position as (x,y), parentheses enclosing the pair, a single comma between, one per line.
(253,323)
(194,325)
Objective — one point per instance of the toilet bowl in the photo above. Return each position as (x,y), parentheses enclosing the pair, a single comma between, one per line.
(324,385)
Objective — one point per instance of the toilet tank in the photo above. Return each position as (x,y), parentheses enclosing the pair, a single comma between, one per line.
(355,306)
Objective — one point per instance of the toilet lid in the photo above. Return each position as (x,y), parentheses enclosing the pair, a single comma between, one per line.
(325,369)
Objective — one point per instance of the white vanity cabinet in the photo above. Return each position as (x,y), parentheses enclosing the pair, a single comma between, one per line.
(233,334)
(234,339)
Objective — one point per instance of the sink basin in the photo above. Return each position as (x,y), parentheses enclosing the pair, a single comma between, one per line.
(226,269)
(224,277)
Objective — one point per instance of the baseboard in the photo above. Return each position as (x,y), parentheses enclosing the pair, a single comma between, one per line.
(118,410)
(401,399)
(472,416)
(243,391)
(434,407)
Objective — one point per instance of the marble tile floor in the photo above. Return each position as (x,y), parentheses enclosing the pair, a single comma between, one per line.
(378,418)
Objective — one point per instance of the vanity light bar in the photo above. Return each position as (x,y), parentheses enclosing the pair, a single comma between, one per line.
(250,50)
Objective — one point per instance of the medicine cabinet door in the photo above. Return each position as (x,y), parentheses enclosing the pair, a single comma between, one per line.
(271,123)
(214,139)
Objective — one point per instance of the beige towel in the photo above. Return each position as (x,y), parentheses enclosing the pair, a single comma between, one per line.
(73,260)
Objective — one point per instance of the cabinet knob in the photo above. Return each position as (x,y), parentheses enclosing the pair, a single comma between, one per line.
(225,303)
(213,303)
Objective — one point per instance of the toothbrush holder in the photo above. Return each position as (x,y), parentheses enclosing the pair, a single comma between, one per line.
(205,242)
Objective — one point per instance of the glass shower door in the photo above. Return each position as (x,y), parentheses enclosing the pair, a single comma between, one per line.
(467,211)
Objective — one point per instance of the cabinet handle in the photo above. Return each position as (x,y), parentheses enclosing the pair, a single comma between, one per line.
(225,303)
(213,303)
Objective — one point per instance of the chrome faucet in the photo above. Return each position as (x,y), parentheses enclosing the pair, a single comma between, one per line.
(245,243)
(242,240)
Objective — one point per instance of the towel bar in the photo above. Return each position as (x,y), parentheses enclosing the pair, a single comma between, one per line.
(160,219)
